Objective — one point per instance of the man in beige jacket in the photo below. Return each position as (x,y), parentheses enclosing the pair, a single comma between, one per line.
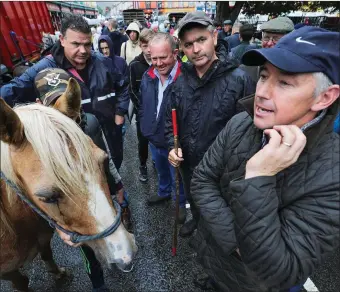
(131,49)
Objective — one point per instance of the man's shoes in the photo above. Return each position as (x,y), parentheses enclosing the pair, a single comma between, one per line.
(155,199)
(126,218)
(143,174)
(182,215)
(188,228)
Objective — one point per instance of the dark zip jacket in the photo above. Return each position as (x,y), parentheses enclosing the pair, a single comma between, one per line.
(205,105)
(104,91)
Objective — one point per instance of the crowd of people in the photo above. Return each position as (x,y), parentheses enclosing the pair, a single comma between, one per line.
(258,149)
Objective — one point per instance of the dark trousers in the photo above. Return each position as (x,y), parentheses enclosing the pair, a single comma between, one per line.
(186,174)
(143,144)
(93,267)
(114,137)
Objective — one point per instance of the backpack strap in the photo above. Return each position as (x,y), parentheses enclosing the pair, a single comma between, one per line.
(125,50)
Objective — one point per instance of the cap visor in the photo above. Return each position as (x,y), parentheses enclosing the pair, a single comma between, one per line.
(283,59)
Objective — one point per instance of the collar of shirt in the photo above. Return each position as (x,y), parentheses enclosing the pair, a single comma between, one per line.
(306,126)
(162,87)
(170,77)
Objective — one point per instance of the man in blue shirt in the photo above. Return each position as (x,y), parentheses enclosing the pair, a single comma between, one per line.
(153,102)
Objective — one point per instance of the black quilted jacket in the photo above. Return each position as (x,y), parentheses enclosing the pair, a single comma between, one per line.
(204,106)
(283,225)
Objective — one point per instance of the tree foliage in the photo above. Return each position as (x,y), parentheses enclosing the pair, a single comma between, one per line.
(272,8)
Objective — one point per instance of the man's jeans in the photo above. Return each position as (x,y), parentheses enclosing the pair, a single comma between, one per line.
(166,175)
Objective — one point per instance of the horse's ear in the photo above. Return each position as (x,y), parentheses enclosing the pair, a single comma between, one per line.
(69,102)
(11,128)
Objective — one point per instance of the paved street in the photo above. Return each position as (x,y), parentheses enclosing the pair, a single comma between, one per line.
(155,269)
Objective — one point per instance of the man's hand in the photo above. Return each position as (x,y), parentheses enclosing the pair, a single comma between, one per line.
(119,120)
(174,159)
(67,239)
(284,148)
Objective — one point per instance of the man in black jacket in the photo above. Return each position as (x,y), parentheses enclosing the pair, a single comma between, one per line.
(205,96)
(137,68)
(268,187)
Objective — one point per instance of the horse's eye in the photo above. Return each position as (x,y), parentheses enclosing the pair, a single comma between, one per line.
(49,196)
(51,200)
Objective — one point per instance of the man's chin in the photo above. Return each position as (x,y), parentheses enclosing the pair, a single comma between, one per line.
(262,124)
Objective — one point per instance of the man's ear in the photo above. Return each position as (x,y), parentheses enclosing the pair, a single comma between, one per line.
(175,52)
(326,98)
(37,100)
(62,40)
(215,33)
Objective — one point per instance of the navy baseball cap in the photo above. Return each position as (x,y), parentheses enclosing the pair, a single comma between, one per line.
(305,50)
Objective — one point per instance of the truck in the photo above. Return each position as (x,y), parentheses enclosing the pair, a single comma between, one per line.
(130,15)
(22,27)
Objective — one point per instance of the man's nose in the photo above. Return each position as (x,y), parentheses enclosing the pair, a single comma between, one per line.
(270,43)
(264,89)
(82,49)
(196,48)
(159,62)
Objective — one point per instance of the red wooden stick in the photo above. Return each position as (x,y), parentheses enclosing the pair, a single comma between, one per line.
(174,122)
(174,238)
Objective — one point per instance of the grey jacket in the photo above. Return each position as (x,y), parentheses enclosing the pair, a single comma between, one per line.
(284,226)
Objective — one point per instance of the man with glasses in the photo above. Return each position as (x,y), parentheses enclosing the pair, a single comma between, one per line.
(275,29)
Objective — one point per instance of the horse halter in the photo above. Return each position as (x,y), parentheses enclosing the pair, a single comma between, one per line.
(75,237)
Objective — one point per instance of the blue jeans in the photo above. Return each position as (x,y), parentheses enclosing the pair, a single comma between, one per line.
(166,175)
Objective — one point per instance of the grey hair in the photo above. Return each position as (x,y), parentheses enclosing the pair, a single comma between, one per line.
(322,83)
(164,37)
(113,23)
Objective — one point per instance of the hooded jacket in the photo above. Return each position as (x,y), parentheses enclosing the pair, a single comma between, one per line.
(284,225)
(205,105)
(129,50)
(118,61)
(104,92)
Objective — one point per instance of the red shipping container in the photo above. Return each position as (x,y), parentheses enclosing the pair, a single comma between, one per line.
(28,19)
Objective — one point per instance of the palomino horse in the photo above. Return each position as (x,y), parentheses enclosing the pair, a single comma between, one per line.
(60,172)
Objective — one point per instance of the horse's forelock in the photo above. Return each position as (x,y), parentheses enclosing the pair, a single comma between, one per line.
(48,131)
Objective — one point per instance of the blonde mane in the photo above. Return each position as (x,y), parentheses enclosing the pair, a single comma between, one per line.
(65,152)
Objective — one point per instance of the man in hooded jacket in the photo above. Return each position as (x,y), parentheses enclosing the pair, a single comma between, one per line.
(131,49)
(205,97)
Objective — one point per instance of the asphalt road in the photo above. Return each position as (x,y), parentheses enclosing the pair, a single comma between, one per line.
(155,269)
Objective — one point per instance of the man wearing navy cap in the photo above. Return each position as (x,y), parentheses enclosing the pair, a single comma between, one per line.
(268,187)
(226,31)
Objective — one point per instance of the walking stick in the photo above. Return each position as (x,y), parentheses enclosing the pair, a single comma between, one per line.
(174,238)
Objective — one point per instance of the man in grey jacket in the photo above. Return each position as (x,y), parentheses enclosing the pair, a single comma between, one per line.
(268,187)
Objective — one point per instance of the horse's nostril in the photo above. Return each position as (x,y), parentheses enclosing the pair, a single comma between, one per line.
(125,268)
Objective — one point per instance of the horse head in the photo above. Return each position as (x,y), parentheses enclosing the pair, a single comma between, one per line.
(61,171)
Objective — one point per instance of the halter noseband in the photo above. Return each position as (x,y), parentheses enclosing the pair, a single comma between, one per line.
(75,237)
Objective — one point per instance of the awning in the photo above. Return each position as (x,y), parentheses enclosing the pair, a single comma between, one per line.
(78,11)
(52,7)
(66,9)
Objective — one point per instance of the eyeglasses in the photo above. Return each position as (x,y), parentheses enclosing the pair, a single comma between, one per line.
(274,39)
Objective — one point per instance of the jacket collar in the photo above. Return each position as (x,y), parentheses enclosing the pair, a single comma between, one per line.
(151,71)
(314,130)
